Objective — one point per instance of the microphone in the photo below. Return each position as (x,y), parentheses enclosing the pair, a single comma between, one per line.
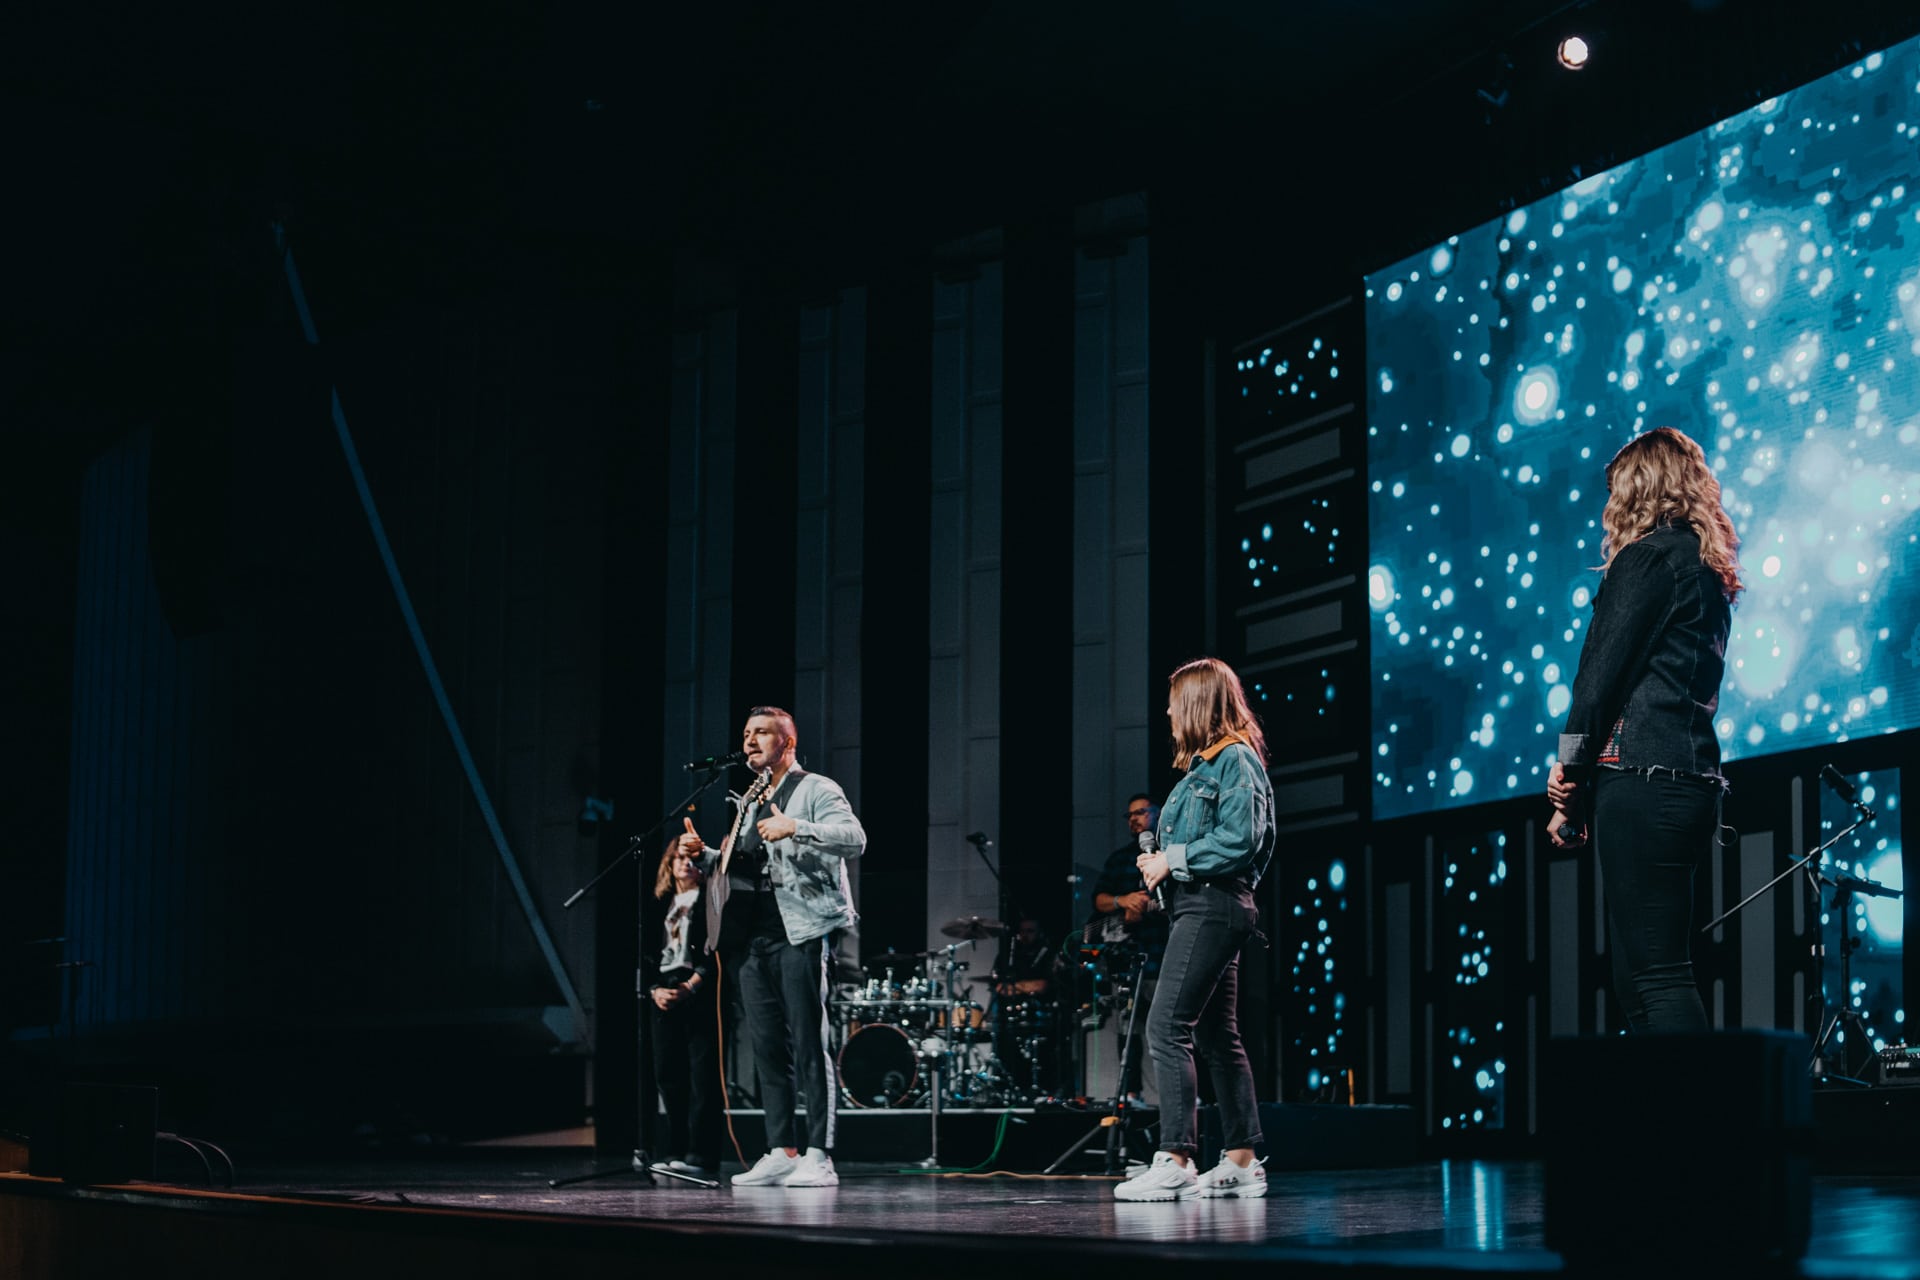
(979,840)
(1147,846)
(717,762)
(1842,787)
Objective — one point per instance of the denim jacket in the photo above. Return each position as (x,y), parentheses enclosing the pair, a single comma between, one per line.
(1650,667)
(808,869)
(1218,822)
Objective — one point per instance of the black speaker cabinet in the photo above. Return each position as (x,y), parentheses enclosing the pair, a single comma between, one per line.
(96,1133)
(1664,1145)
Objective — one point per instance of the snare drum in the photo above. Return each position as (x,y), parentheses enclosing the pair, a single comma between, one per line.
(967,1018)
(879,1067)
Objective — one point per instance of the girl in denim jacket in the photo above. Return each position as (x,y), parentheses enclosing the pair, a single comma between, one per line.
(1215,837)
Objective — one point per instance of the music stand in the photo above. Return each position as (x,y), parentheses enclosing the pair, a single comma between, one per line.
(641,1164)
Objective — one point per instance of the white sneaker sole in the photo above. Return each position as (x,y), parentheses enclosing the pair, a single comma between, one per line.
(1157,1195)
(1238,1191)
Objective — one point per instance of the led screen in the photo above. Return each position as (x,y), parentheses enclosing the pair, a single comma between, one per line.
(1756,285)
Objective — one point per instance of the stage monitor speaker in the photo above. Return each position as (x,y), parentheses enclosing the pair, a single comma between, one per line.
(97,1133)
(1663,1146)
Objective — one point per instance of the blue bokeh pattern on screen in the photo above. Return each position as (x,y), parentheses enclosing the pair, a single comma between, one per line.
(1756,285)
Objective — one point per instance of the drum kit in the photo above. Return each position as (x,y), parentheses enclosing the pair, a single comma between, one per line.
(912,1026)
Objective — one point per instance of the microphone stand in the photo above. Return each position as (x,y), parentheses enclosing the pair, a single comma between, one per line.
(1733,910)
(1844,888)
(641,1164)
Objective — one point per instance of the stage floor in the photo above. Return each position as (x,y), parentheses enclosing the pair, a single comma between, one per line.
(489,1211)
(1470,1215)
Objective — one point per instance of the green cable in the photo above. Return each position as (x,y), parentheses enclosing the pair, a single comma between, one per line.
(999,1138)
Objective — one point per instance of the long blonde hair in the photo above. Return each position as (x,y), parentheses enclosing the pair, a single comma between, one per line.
(1208,704)
(1659,477)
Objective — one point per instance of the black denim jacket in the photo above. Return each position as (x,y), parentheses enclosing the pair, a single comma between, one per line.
(1650,669)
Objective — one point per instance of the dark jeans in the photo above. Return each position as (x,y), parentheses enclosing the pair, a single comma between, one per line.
(1195,1006)
(783,993)
(1649,834)
(686,1050)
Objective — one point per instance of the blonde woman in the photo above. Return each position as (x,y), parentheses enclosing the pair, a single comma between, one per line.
(1639,758)
(1215,838)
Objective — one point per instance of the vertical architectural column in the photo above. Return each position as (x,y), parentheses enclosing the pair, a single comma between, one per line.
(964,571)
(699,601)
(1111,716)
(831,448)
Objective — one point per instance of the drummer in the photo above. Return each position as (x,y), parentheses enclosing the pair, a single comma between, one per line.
(1029,969)
(1026,1031)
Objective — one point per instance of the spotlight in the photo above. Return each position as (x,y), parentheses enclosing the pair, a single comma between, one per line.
(1573,53)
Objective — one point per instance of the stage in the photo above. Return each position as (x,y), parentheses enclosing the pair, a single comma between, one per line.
(489,1211)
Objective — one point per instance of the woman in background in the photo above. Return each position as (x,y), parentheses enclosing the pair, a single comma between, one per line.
(1639,757)
(685,1037)
(1215,837)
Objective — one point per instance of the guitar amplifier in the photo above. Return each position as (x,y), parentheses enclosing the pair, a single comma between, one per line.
(1895,1064)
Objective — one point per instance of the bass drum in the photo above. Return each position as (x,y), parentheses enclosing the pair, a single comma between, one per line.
(878,1067)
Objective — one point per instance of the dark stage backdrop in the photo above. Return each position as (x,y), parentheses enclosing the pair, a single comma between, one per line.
(273,846)
(920,511)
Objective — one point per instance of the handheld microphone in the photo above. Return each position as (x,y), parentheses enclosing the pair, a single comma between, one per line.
(1844,788)
(717,762)
(1147,846)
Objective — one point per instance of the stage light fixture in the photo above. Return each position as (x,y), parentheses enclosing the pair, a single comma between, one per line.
(1573,53)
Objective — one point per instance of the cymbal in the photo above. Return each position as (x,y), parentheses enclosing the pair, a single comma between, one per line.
(972,928)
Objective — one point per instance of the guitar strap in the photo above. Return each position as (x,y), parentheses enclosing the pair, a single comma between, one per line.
(748,843)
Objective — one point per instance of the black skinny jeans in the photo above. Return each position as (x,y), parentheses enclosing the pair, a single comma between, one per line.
(783,992)
(686,1049)
(1650,833)
(1196,1006)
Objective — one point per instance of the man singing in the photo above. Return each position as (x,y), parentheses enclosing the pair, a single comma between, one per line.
(786,889)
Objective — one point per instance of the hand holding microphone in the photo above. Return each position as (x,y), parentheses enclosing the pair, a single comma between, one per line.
(1564,793)
(1562,831)
(1148,852)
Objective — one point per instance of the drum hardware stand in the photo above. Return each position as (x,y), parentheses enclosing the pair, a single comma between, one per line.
(640,1165)
(1844,887)
(950,1036)
(933,1108)
(1118,1109)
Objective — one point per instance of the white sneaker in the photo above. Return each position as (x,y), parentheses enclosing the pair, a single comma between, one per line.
(1228,1179)
(1164,1179)
(813,1169)
(770,1170)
